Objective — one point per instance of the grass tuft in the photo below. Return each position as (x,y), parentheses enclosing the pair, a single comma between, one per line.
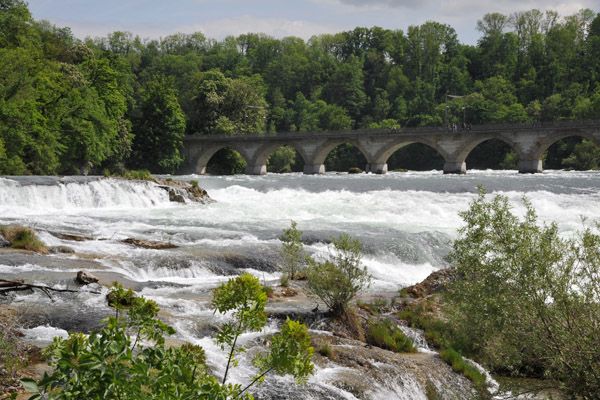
(21,237)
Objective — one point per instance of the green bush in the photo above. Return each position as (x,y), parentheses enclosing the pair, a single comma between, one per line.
(293,256)
(526,300)
(388,336)
(336,281)
(21,237)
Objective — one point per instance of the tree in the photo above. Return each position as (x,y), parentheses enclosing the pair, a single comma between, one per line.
(292,252)
(158,128)
(338,279)
(526,300)
(585,156)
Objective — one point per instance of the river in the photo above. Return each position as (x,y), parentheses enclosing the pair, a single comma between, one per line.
(406,222)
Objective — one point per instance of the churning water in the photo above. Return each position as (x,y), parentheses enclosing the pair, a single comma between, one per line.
(406,222)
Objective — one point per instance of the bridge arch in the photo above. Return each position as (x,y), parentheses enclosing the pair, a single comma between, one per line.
(202,162)
(258,164)
(545,144)
(384,154)
(321,154)
(471,145)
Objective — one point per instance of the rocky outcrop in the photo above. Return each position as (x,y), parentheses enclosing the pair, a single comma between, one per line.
(72,238)
(434,283)
(150,244)
(85,278)
(184,191)
(3,242)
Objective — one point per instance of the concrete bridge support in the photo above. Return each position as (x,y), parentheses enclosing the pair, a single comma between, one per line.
(455,167)
(530,166)
(256,170)
(377,168)
(314,169)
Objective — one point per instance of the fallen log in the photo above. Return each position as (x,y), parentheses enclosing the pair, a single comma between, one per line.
(19,285)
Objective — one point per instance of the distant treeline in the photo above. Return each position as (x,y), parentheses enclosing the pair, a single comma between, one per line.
(72,106)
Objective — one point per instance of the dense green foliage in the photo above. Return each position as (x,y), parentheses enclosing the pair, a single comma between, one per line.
(526,301)
(71,106)
(339,278)
(129,359)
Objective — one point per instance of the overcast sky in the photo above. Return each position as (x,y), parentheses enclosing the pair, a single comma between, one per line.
(278,18)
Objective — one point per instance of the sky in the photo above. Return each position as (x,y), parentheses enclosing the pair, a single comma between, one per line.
(153,19)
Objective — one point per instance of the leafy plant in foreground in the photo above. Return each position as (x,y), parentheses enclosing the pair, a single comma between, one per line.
(112,364)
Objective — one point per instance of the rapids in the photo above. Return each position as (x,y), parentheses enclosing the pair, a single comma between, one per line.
(406,222)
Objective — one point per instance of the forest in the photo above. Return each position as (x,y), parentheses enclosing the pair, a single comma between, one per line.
(106,104)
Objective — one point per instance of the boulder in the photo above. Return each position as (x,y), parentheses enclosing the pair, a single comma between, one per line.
(435,282)
(150,244)
(85,278)
(61,249)
(3,242)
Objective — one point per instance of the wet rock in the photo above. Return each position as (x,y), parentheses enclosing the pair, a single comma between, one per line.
(434,283)
(85,278)
(66,236)
(61,250)
(3,242)
(150,244)
(182,191)
(175,197)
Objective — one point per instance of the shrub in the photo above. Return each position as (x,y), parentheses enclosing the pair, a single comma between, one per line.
(292,253)
(526,300)
(21,237)
(388,336)
(337,280)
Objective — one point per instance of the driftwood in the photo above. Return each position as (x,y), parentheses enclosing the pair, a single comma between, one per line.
(19,285)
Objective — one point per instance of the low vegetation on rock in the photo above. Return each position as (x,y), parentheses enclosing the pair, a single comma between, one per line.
(21,237)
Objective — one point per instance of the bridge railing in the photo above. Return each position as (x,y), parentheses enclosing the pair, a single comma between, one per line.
(402,131)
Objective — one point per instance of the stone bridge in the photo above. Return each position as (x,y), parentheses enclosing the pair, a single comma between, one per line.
(528,140)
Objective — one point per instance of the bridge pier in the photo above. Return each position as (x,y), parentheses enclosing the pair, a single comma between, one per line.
(312,169)
(377,168)
(455,167)
(256,170)
(530,166)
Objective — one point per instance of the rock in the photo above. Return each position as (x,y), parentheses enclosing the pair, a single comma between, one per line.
(175,197)
(355,170)
(3,242)
(435,282)
(85,278)
(61,249)
(181,191)
(66,236)
(150,244)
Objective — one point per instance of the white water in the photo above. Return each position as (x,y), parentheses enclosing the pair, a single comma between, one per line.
(406,222)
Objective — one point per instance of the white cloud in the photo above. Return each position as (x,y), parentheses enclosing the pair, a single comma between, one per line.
(388,3)
(277,27)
